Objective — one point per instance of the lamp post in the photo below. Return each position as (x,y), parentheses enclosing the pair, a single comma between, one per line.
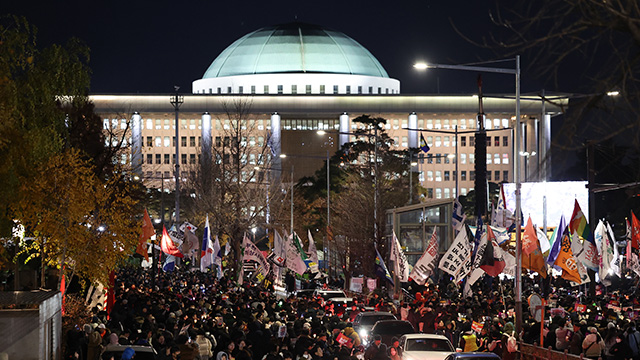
(177,100)
(517,134)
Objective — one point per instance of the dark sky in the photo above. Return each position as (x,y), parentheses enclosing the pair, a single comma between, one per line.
(150,46)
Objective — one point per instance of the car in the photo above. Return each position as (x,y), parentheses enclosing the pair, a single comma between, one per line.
(388,329)
(329,294)
(304,293)
(142,352)
(364,321)
(473,356)
(425,347)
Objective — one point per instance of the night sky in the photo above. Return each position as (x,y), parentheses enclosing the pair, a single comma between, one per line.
(150,46)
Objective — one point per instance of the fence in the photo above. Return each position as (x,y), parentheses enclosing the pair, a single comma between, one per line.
(533,352)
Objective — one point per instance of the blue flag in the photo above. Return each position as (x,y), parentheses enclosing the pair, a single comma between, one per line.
(381,269)
(169,263)
(557,241)
(423,144)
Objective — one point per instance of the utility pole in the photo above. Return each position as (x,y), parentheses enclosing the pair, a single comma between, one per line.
(176,101)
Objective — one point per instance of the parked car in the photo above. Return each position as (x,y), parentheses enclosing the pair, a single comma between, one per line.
(364,321)
(473,356)
(142,352)
(328,294)
(388,329)
(425,347)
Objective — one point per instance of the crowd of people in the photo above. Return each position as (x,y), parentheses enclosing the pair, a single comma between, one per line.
(192,315)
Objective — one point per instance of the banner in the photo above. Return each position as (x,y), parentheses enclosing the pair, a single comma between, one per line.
(400,263)
(294,255)
(457,260)
(252,253)
(427,263)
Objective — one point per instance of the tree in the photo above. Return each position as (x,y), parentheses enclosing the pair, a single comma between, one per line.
(81,225)
(232,186)
(353,175)
(597,42)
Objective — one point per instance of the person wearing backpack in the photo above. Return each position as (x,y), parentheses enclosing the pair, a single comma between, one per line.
(633,340)
(510,348)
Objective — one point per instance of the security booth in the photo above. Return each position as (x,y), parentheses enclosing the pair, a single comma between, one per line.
(30,325)
(414,225)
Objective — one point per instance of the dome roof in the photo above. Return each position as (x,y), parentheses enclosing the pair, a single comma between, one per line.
(295,48)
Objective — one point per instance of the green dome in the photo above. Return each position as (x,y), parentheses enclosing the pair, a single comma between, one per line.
(295,48)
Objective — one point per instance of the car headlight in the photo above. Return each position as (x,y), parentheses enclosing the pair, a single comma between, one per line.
(364,335)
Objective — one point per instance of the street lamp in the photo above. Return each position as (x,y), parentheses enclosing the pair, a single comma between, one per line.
(516,72)
(177,100)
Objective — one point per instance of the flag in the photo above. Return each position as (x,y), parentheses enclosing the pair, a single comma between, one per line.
(555,244)
(565,259)
(579,225)
(207,253)
(400,263)
(501,216)
(493,253)
(457,260)
(167,245)
(313,254)
(190,244)
(615,263)
(381,268)
(279,250)
(635,232)
(533,260)
(169,263)
(458,216)
(217,257)
(227,247)
(425,266)
(252,253)
(478,254)
(543,240)
(147,232)
(423,144)
(294,255)
(633,261)
(606,253)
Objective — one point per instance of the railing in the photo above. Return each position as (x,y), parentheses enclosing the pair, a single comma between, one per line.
(533,352)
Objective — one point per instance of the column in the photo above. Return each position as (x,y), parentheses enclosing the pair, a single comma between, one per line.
(345,127)
(413,134)
(206,144)
(275,142)
(136,144)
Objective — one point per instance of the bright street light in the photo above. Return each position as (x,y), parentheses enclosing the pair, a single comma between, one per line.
(516,72)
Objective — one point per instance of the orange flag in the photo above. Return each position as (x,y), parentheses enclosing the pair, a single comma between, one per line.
(147,232)
(532,259)
(567,261)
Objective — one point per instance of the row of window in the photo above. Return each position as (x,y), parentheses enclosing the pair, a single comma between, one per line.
(447,175)
(450,158)
(167,159)
(266,89)
(260,124)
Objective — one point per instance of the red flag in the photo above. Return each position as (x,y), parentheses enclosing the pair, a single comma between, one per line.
(62,289)
(111,296)
(635,231)
(147,232)
(167,245)
(496,264)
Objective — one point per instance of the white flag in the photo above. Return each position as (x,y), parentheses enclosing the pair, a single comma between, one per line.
(543,240)
(217,257)
(252,253)
(476,271)
(294,253)
(400,263)
(313,254)
(457,260)
(207,253)
(606,253)
(427,263)
(615,263)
